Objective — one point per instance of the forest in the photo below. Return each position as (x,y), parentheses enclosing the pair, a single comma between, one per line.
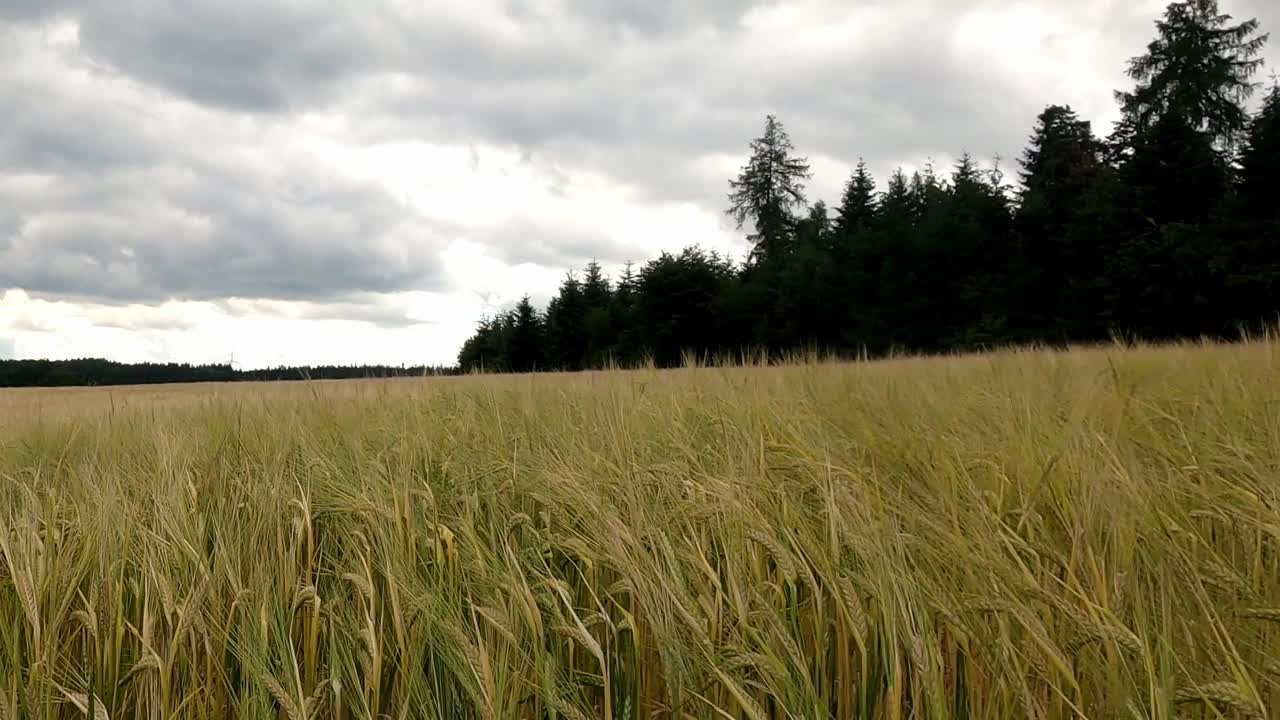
(1168,228)
(97,371)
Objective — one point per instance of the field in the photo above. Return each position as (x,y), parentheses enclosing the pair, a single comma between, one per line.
(1048,535)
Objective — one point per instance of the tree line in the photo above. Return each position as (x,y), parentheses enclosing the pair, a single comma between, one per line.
(1168,228)
(94,371)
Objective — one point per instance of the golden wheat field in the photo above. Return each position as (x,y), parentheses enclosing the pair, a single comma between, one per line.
(1089,534)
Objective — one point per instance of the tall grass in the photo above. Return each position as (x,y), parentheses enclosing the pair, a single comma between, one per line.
(1090,534)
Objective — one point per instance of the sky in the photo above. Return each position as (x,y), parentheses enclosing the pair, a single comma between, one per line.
(293,182)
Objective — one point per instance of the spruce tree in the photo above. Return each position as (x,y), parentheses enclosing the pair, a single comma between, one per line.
(816,228)
(1056,285)
(526,344)
(969,241)
(566,326)
(598,326)
(628,341)
(768,192)
(848,281)
(1254,284)
(897,206)
(1063,159)
(858,204)
(888,288)
(1198,68)
(1179,128)
(1167,273)
(808,303)
(676,304)
(477,353)
(595,286)
(1260,162)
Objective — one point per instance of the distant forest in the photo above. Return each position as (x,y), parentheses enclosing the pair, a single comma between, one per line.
(1168,228)
(63,373)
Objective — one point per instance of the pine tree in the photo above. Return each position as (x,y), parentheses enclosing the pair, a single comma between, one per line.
(1056,286)
(628,343)
(676,304)
(969,238)
(598,327)
(848,281)
(595,286)
(566,326)
(928,193)
(1166,273)
(477,352)
(1180,125)
(967,176)
(885,270)
(807,308)
(526,338)
(1064,157)
(1176,175)
(897,206)
(816,228)
(1254,284)
(1198,69)
(858,204)
(768,191)
(1260,162)
(626,284)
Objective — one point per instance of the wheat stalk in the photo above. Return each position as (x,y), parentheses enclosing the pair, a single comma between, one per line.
(1226,694)
(282,698)
(1269,614)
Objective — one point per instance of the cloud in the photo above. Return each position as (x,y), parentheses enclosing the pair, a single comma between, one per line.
(36,10)
(120,196)
(163,318)
(230,53)
(236,53)
(389,312)
(6,348)
(219,240)
(894,82)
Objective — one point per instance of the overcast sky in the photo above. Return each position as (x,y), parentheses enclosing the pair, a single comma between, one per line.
(288,181)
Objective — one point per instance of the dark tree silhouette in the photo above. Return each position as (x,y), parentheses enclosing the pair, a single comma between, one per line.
(1198,69)
(1060,253)
(1260,162)
(1253,267)
(858,205)
(769,190)
(94,371)
(526,352)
